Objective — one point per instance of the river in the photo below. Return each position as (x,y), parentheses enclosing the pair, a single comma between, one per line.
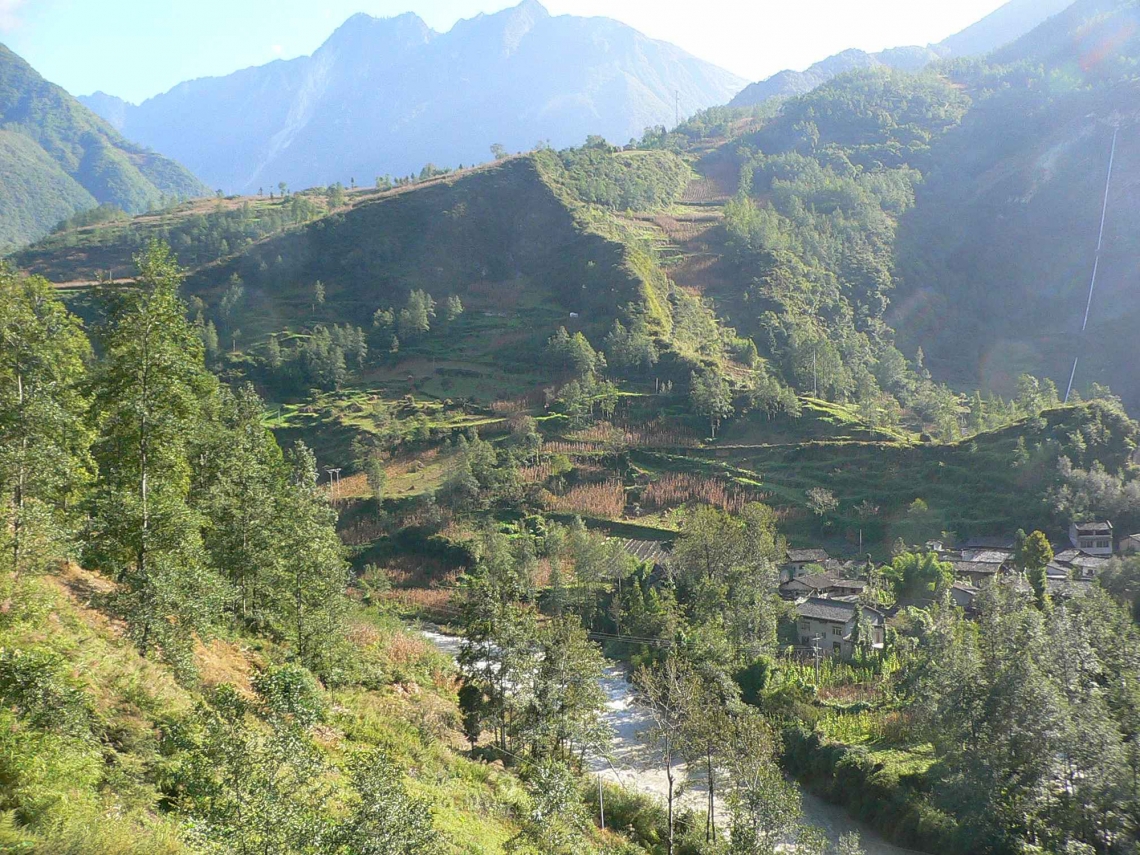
(634,764)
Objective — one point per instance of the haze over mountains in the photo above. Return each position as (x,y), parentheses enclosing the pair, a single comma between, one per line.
(58,158)
(391,95)
(1005,25)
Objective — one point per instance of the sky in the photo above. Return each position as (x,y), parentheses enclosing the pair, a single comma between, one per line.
(139,48)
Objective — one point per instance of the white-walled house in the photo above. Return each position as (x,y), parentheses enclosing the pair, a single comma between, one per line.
(1093,538)
(829,623)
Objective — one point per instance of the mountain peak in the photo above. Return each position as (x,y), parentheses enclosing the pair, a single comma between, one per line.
(363,31)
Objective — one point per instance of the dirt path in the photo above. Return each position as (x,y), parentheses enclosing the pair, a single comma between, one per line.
(633,764)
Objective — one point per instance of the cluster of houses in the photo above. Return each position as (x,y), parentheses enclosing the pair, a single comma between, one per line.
(829,594)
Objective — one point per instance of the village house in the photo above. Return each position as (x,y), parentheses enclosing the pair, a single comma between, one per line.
(1092,538)
(1130,544)
(826,626)
(821,585)
(1076,564)
(798,560)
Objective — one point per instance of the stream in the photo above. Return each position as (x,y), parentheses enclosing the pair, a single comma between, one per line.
(634,764)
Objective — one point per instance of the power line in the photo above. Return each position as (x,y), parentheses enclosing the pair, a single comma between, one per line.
(1096,262)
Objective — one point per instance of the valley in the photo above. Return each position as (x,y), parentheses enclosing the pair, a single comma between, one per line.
(718,492)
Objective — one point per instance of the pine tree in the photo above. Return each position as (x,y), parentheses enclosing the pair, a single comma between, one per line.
(150,390)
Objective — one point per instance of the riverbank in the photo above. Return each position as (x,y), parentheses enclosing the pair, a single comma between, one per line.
(633,764)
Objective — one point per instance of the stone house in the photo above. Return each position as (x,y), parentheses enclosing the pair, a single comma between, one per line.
(828,625)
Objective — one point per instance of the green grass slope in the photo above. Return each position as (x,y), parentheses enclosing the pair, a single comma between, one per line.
(93,737)
(100,165)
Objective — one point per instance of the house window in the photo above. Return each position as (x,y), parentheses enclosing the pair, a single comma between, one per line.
(805,625)
(805,641)
(835,647)
(837,630)
(1103,544)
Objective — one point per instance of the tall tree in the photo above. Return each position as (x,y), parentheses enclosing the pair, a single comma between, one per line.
(44,441)
(669,693)
(311,575)
(238,480)
(150,389)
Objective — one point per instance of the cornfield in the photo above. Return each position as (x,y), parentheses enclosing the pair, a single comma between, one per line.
(680,488)
(603,501)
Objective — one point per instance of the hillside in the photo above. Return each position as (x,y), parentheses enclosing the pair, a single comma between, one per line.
(58,158)
(996,259)
(1005,25)
(386,96)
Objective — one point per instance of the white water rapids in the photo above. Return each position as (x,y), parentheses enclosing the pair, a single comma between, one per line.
(632,763)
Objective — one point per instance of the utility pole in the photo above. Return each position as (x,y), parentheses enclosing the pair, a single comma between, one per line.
(601,803)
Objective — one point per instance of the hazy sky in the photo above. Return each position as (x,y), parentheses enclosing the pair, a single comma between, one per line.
(138,48)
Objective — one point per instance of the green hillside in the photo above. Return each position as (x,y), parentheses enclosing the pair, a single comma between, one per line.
(58,158)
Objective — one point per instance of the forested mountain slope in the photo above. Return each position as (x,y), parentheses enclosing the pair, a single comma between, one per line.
(58,158)
(996,259)
(386,96)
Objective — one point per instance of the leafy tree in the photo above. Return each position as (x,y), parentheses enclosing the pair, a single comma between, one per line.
(711,397)
(385,819)
(377,476)
(1033,557)
(556,817)
(454,308)
(150,390)
(764,807)
(416,316)
(669,692)
(310,578)
(237,483)
(44,440)
(564,713)
(822,501)
(919,575)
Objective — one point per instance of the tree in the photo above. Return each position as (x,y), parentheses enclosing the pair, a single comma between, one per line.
(454,308)
(919,575)
(311,576)
(273,358)
(237,483)
(499,151)
(765,807)
(711,397)
(668,692)
(822,501)
(1033,557)
(566,698)
(377,476)
(385,819)
(318,294)
(150,389)
(44,442)
(416,316)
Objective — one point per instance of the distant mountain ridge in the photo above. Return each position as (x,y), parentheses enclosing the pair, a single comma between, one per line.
(58,158)
(1005,25)
(387,96)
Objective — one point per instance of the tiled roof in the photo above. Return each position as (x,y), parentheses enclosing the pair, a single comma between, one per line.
(974,567)
(1096,527)
(987,556)
(807,556)
(835,611)
(650,551)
